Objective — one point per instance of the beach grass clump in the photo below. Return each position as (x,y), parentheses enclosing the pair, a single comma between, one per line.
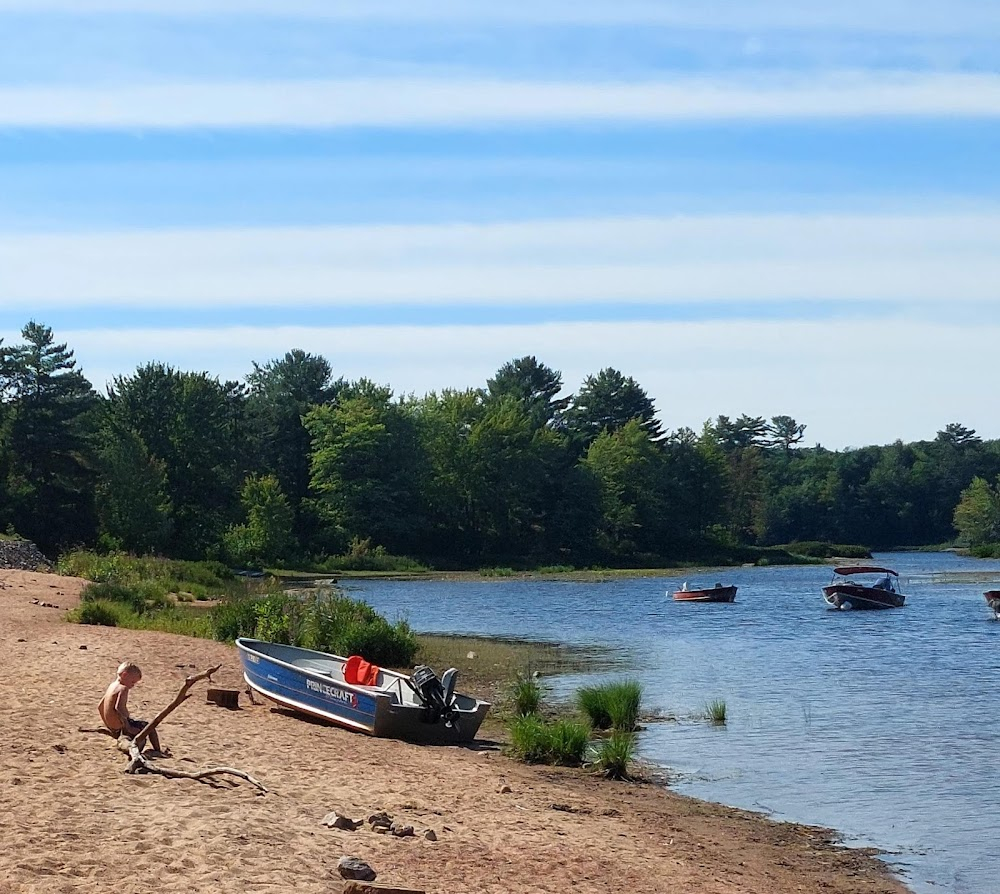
(525,693)
(613,755)
(612,705)
(715,712)
(560,742)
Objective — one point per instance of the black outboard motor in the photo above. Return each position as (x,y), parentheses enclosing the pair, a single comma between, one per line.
(437,695)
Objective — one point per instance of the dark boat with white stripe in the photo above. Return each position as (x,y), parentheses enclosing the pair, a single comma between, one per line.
(861,587)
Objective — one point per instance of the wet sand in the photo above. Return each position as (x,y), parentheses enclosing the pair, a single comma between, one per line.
(72,821)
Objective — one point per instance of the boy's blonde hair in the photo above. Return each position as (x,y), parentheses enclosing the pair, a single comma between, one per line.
(127,666)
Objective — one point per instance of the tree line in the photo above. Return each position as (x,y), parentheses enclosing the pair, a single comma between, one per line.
(291,465)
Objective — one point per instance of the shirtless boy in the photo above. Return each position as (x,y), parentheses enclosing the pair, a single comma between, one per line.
(114,705)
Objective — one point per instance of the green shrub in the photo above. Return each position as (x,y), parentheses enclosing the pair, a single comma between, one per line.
(715,712)
(614,754)
(324,620)
(611,705)
(362,556)
(103,613)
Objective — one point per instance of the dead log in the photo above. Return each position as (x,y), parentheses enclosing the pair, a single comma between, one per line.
(139,764)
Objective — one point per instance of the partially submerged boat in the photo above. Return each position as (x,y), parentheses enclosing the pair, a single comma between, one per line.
(352,693)
(993,601)
(718,593)
(863,587)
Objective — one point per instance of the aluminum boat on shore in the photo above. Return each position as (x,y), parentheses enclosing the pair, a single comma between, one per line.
(419,707)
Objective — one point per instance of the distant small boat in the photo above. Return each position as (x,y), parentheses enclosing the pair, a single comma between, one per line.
(993,601)
(419,707)
(864,587)
(718,593)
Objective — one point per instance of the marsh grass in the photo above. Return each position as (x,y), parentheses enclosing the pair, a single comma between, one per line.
(560,742)
(613,755)
(715,712)
(613,705)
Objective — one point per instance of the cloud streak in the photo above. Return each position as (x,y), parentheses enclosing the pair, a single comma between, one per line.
(415,102)
(567,263)
(900,16)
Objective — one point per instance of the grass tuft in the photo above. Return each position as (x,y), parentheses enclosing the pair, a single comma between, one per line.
(525,693)
(562,742)
(715,712)
(613,705)
(614,754)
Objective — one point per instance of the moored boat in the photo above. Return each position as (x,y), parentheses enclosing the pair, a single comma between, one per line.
(993,601)
(864,587)
(420,707)
(718,593)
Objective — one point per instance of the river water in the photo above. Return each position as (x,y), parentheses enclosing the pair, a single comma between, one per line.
(882,725)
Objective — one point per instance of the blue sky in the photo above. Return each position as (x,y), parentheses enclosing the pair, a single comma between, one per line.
(757,208)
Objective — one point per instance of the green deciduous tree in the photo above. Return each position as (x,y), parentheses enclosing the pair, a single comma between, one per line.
(194,425)
(132,503)
(365,468)
(977,516)
(266,536)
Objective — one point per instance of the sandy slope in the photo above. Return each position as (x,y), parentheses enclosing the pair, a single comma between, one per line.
(71,821)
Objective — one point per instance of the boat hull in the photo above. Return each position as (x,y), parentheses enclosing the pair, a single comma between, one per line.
(992,598)
(714,594)
(854,596)
(312,683)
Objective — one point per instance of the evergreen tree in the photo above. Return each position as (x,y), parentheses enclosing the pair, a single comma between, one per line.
(608,402)
(47,434)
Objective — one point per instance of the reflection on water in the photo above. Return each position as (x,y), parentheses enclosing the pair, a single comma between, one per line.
(882,725)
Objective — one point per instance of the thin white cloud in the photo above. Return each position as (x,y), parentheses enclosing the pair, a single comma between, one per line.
(900,16)
(824,374)
(414,102)
(728,258)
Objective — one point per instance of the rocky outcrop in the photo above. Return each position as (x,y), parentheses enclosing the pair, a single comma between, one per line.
(22,555)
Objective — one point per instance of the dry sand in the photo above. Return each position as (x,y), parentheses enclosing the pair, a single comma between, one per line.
(72,821)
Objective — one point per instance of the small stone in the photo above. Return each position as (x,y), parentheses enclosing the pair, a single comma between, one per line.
(380,820)
(21,639)
(353,867)
(471,655)
(430,835)
(401,831)
(83,648)
(504,789)
(336,820)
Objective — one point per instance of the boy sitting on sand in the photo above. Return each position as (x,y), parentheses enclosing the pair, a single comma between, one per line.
(114,705)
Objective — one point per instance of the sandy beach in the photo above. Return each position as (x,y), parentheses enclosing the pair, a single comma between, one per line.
(72,821)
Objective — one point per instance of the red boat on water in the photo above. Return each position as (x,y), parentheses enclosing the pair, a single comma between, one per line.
(993,600)
(718,593)
(864,587)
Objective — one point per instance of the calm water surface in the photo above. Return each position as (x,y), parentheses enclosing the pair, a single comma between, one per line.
(882,725)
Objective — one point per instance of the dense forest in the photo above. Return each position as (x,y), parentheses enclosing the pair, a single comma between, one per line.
(293,465)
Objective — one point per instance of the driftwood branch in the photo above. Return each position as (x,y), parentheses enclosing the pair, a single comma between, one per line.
(181,696)
(139,764)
